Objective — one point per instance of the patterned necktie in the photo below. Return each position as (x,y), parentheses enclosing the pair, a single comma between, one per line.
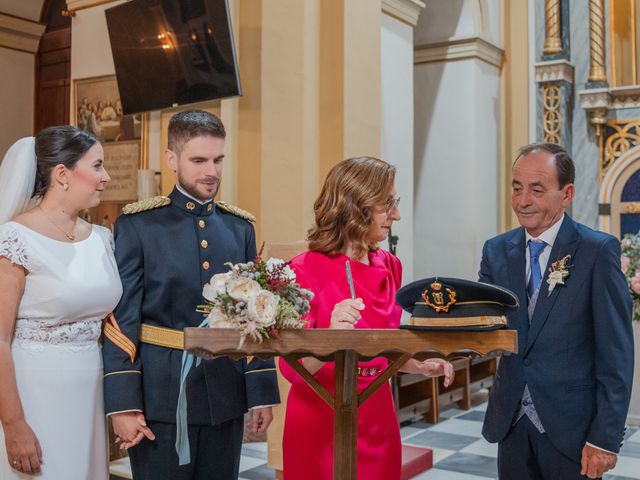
(535,249)
(526,404)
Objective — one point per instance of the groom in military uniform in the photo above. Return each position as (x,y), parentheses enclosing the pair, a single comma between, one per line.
(167,248)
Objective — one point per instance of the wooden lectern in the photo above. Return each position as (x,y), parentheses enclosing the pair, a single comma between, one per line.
(346,348)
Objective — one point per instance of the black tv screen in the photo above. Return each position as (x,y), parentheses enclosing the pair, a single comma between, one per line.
(172,52)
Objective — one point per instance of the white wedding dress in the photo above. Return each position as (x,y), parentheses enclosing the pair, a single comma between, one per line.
(69,289)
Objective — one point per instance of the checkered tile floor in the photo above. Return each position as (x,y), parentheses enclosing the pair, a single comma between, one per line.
(459,451)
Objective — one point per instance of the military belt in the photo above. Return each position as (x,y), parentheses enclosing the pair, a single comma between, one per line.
(161,336)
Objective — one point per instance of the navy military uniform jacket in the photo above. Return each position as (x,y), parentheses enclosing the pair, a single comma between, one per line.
(165,255)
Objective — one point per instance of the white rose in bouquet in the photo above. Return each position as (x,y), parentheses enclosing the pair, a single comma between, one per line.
(243,288)
(217,286)
(218,319)
(273,262)
(289,273)
(286,271)
(262,307)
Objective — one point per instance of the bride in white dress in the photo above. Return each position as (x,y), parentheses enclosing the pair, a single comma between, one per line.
(58,280)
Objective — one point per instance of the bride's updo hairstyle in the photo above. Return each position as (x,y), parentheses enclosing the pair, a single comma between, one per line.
(57,145)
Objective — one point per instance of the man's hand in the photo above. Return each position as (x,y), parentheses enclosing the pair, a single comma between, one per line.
(130,428)
(433,367)
(596,462)
(260,419)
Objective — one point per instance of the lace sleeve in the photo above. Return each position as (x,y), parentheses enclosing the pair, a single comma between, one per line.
(106,235)
(14,248)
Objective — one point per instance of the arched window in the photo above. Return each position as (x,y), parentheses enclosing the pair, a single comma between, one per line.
(622,188)
(629,202)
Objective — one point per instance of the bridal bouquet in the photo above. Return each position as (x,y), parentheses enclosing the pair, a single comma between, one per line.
(630,264)
(257,298)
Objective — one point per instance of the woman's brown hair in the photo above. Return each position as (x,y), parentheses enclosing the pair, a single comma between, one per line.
(344,209)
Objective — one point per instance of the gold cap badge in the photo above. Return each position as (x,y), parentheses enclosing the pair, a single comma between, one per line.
(438,299)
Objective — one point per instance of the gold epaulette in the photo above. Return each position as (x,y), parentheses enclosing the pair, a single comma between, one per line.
(238,212)
(148,204)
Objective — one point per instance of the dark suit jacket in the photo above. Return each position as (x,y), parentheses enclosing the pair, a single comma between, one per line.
(161,256)
(577,354)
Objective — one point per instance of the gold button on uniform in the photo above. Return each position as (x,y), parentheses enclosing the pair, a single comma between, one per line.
(191,205)
(204,244)
(205,265)
(201,223)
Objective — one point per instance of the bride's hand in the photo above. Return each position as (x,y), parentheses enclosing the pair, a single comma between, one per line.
(130,428)
(23,449)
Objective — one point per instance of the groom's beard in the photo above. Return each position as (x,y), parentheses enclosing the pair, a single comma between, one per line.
(192,188)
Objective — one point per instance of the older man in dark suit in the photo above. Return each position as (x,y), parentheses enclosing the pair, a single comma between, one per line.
(558,407)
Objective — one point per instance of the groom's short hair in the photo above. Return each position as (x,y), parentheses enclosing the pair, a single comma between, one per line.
(189,124)
(564,163)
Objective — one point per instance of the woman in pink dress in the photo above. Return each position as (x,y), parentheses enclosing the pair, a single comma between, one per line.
(353,213)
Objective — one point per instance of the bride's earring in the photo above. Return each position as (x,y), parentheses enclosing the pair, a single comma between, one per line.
(65,186)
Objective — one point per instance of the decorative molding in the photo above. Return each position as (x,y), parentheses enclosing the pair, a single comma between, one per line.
(406,11)
(625,97)
(598,101)
(615,169)
(610,98)
(595,98)
(554,71)
(551,118)
(20,34)
(75,5)
(619,137)
(460,48)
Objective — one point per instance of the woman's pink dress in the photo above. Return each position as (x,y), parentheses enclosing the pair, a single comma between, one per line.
(308,429)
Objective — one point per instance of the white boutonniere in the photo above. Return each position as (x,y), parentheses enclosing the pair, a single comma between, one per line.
(558,273)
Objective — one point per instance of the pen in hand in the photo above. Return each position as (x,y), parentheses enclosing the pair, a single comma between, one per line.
(352,289)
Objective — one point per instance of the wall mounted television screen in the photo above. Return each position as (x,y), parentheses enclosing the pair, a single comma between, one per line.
(172,52)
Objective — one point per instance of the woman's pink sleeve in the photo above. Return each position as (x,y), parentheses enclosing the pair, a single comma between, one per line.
(395,267)
(397,271)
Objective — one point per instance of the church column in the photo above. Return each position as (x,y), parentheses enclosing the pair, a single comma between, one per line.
(598,70)
(554,77)
(398,22)
(458,62)
(310,72)
(553,39)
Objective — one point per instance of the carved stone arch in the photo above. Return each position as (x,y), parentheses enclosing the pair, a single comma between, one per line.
(620,195)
